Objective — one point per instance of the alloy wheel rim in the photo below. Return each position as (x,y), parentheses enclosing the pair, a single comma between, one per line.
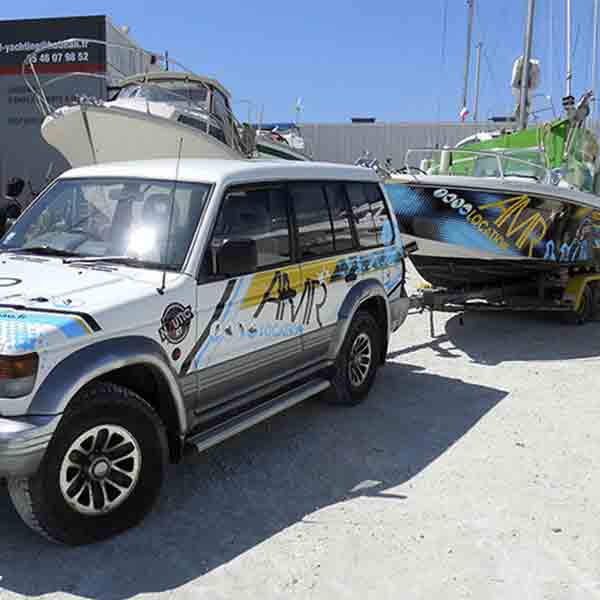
(360,359)
(100,469)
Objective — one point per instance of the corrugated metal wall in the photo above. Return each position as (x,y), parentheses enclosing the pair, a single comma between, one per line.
(344,143)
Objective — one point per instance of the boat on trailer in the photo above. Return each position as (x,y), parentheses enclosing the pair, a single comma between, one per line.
(509,217)
(509,208)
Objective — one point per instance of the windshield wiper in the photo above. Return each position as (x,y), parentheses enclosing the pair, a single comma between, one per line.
(126,260)
(43,250)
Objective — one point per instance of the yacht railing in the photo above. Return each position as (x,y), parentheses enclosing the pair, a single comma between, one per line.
(232,128)
(446,162)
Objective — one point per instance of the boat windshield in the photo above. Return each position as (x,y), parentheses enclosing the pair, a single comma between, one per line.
(526,163)
(150,222)
(517,163)
(560,159)
(581,167)
(166,92)
(281,127)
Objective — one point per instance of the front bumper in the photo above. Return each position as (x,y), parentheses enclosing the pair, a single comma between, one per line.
(23,443)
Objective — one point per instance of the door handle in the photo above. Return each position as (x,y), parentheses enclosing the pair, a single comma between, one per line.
(352,276)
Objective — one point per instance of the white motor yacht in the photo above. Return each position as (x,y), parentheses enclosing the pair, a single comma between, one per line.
(152,115)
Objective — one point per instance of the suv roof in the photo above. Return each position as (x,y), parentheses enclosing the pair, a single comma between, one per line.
(226,171)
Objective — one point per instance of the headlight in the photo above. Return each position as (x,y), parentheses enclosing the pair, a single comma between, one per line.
(17,375)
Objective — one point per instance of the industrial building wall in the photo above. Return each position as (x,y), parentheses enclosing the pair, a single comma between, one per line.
(345,143)
(122,62)
(23,151)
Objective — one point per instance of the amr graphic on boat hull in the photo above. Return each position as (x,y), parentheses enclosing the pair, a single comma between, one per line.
(477,236)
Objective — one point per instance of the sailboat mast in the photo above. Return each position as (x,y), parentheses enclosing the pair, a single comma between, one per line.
(595,58)
(569,63)
(523,114)
(477,80)
(471,8)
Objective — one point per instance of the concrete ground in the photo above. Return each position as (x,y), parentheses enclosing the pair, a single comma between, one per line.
(470,472)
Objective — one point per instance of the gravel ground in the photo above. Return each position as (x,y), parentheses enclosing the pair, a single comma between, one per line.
(470,472)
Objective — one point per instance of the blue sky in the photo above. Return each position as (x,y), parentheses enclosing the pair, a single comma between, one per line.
(345,59)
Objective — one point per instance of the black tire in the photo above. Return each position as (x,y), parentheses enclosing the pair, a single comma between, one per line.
(586,310)
(343,390)
(39,499)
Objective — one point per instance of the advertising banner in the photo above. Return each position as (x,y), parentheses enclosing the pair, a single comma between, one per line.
(23,152)
(20,38)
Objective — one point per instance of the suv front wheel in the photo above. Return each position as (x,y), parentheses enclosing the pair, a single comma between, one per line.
(357,361)
(102,472)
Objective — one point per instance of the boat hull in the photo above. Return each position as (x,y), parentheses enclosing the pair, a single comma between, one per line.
(474,236)
(92,134)
(268,150)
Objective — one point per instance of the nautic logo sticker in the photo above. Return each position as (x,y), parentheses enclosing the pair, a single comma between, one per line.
(175,323)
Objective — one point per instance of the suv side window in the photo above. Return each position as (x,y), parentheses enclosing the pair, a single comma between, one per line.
(321,219)
(258,213)
(370,215)
(315,234)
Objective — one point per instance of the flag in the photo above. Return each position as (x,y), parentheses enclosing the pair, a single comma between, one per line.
(299,109)
(464,113)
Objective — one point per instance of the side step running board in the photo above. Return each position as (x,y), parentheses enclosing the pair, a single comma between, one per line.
(219,433)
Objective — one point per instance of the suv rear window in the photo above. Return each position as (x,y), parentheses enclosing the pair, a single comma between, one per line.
(370,215)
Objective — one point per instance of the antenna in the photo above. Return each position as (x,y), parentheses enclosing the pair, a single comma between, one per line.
(161,289)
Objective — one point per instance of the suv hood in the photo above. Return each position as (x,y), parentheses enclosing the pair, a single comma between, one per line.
(28,280)
(44,302)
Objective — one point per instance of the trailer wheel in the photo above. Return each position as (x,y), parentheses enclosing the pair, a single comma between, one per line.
(586,309)
(596,301)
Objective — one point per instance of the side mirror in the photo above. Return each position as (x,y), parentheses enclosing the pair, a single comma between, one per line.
(237,257)
(9,212)
(13,211)
(15,187)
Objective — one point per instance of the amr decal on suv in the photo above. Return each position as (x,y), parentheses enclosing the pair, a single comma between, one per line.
(305,303)
(297,296)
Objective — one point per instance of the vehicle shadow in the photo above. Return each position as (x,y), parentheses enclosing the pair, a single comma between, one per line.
(235,496)
(494,338)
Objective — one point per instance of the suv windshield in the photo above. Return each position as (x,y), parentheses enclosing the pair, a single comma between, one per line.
(113,217)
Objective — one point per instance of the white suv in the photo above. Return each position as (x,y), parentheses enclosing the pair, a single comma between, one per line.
(152,306)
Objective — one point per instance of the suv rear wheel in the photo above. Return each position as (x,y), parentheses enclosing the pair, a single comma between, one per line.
(357,362)
(102,472)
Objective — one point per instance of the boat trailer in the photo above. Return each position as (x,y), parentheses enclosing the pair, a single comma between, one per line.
(575,295)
